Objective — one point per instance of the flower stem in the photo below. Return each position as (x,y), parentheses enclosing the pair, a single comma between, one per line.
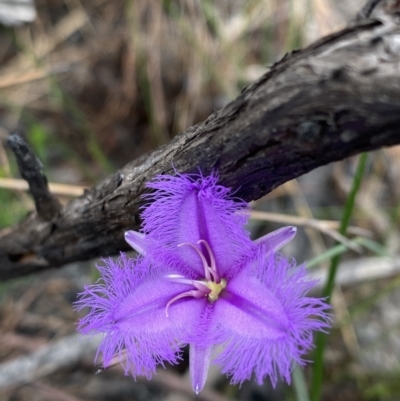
(300,384)
(321,338)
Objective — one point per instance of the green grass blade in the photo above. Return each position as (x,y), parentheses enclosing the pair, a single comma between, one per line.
(367,243)
(374,247)
(329,254)
(327,291)
(300,384)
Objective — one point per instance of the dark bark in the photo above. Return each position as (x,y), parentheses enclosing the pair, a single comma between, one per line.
(336,98)
(47,205)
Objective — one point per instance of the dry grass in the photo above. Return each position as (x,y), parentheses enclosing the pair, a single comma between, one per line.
(98,83)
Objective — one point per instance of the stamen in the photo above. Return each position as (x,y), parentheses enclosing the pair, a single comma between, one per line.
(200,285)
(177,278)
(213,265)
(191,293)
(211,287)
(203,259)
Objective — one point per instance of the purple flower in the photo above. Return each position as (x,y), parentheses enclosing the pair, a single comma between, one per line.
(201,281)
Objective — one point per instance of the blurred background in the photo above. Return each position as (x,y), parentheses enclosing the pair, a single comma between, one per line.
(95,84)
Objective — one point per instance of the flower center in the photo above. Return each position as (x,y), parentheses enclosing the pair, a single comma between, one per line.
(210,287)
(215,289)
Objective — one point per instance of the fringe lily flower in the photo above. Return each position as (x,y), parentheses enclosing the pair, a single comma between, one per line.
(201,281)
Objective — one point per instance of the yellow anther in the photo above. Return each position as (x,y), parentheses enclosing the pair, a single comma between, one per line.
(215,289)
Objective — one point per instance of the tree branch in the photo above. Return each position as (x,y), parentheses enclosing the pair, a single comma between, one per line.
(47,205)
(336,98)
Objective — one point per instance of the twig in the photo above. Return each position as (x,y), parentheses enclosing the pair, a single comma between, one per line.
(48,359)
(12,340)
(30,168)
(353,272)
(325,226)
(67,352)
(174,383)
(369,9)
(55,188)
(55,393)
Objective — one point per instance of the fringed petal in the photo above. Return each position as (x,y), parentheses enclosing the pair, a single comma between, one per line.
(130,309)
(277,239)
(266,321)
(189,208)
(137,241)
(199,360)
